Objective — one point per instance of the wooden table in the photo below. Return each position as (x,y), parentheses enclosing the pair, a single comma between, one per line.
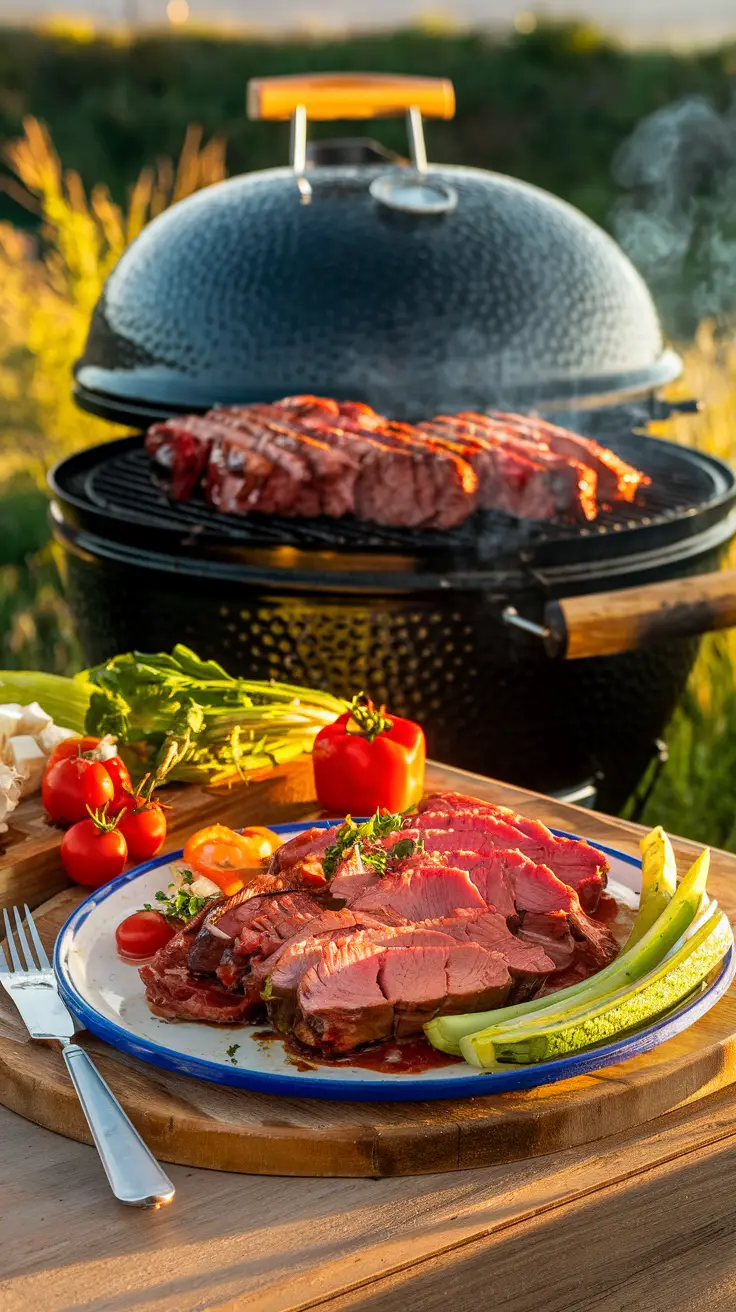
(643,1220)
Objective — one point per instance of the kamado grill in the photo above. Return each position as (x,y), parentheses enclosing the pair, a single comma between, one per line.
(418,291)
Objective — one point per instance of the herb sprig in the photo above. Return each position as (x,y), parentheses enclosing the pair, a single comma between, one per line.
(406,847)
(352,837)
(369,720)
(183,904)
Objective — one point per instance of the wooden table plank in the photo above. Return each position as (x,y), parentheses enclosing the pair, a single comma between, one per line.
(642,1219)
(290,1244)
(597,1257)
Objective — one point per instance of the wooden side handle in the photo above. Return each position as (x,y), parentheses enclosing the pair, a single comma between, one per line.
(609,622)
(349,95)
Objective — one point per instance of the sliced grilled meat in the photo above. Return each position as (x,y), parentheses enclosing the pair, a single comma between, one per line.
(307,456)
(574,861)
(358,992)
(617,480)
(173,991)
(341,1005)
(521,477)
(288,966)
(180,450)
(225,922)
(331,471)
(424,891)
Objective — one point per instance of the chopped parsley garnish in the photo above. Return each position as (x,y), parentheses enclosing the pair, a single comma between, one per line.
(182,904)
(406,847)
(352,837)
(377,860)
(231,1051)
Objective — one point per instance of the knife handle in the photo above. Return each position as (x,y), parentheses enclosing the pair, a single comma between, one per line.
(134,1174)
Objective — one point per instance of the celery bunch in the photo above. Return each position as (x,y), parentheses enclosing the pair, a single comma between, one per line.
(182,718)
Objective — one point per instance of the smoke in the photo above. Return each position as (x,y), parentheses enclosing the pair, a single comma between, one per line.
(677,218)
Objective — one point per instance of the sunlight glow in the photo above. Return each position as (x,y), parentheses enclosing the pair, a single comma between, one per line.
(525,23)
(177,11)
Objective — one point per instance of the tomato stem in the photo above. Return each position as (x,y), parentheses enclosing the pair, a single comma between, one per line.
(102,821)
(143,795)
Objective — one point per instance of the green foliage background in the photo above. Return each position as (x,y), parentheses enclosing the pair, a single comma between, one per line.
(550,107)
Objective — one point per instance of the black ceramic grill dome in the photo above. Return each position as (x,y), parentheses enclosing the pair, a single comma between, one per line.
(244,292)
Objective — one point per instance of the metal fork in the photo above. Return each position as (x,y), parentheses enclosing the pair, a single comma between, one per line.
(134,1174)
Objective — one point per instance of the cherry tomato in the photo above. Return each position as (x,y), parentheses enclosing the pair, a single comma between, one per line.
(93,853)
(142,934)
(72,747)
(264,841)
(144,828)
(98,788)
(226,857)
(118,772)
(73,785)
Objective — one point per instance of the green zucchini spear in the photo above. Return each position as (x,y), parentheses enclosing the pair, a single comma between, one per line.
(446,1032)
(559,1034)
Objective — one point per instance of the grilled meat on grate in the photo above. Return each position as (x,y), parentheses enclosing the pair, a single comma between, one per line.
(308,456)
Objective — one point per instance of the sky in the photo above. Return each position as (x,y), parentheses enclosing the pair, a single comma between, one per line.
(639,20)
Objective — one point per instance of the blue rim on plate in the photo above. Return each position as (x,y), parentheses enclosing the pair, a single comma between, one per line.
(389,1089)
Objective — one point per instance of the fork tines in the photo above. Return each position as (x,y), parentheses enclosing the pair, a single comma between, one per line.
(31,964)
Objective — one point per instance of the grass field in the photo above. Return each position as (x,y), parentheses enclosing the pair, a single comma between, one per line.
(49,287)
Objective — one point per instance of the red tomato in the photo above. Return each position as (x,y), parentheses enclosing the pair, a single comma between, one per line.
(98,788)
(72,785)
(93,853)
(142,934)
(226,857)
(367,760)
(118,772)
(62,790)
(143,825)
(71,747)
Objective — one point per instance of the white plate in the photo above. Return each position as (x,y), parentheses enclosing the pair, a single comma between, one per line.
(108,996)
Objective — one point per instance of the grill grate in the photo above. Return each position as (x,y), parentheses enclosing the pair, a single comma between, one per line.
(123,486)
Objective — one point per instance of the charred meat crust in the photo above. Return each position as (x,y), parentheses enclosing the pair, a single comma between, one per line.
(308,456)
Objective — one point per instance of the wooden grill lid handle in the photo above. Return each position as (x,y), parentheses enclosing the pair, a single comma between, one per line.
(328,96)
(605,623)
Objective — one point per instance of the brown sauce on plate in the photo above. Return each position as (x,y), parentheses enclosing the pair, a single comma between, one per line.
(618,918)
(395,1057)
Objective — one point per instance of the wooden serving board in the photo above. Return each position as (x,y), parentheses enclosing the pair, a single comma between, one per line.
(198,1124)
(30,868)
